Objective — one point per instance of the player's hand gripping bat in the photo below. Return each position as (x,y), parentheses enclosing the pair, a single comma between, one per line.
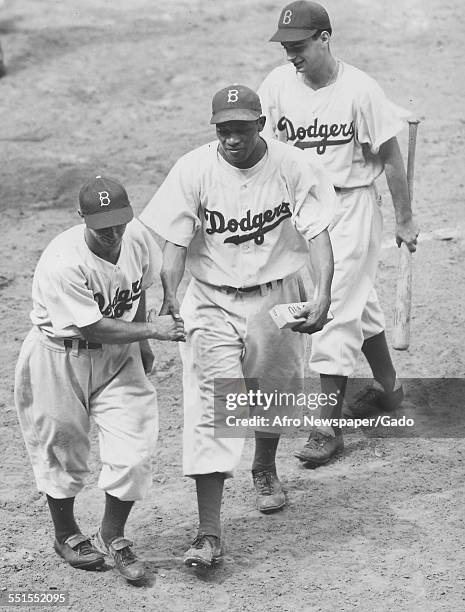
(401,334)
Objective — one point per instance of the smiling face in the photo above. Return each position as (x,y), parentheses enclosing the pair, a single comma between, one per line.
(240,142)
(308,56)
(106,242)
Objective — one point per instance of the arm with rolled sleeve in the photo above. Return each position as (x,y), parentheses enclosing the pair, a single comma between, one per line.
(315,205)
(378,121)
(172,214)
(406,227)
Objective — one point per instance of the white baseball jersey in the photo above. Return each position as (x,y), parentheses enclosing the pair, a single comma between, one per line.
(242,227)
(343,124)
(73,287)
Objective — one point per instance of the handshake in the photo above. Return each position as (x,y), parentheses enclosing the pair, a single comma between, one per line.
(167,326)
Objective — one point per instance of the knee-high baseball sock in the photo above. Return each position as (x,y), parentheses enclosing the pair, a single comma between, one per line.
(62,511)
(334,387)
(209,496)
(114,518)
(266,446)
(377,354)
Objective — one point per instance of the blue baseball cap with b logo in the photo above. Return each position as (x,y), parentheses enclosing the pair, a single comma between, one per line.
(103,202)
(235,103)
(300,20)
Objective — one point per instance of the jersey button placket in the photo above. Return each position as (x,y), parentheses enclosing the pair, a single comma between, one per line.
(115,283)
(247,251)
(245,247)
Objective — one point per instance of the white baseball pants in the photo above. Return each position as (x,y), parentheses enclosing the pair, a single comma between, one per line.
(356,240)
(58,389)
(232,336)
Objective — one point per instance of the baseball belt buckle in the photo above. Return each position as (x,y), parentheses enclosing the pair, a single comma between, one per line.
(78,343)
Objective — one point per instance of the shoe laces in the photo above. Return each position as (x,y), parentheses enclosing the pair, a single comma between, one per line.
(127,556)
(200,540)
(263,481)
(84,548)
(316,439)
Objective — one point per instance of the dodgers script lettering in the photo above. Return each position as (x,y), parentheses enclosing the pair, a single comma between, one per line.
(254,226)
(121,302)
(323,135)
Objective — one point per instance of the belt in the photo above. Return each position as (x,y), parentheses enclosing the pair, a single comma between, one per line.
(82,344)
(345,189)
(268,285)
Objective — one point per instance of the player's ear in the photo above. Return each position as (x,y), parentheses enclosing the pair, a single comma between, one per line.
(325,36)
(261,123)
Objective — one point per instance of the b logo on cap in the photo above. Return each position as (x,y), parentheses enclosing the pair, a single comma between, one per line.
(233,95)
(104,198)
(287,17)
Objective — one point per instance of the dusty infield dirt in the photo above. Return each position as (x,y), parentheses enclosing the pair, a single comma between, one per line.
(124,88)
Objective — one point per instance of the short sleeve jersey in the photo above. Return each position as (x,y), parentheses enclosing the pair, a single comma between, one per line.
(343,124)
(73,287)
(242,227)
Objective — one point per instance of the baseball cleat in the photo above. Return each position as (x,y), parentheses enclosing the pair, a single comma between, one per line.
(373,400)
(320,449)
(205,551)
(79,552)
(270,494)
(126,562)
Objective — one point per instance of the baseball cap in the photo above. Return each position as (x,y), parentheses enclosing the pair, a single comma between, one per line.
(104,202)
(235,103)
(300,20)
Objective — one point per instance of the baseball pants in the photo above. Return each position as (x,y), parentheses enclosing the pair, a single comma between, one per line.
(232,336)
(58,389)
(356,240)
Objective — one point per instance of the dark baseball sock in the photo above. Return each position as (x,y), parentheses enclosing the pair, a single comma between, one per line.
(62,511)
(114,518)
(334,387)
(377,354)
(209,496)
(266,446)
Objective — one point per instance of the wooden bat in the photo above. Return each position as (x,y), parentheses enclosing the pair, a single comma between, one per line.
(401,334)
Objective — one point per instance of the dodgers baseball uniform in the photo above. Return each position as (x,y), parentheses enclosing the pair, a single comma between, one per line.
(58,388)
(342,125)
(243,228)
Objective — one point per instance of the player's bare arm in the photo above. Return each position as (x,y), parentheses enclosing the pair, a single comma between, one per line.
(172,271)
(116,331)
(406,227)
(321,254)
(145,349)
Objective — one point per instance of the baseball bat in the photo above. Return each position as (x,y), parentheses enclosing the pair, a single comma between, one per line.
(402,312)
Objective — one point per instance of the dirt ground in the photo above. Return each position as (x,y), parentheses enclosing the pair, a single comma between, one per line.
(124,88)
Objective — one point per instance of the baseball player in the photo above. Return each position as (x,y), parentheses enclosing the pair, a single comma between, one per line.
(85,356)
(339,115)
(240,211)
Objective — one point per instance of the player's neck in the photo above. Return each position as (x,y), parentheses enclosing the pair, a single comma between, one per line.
(257,154)
(323,75)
